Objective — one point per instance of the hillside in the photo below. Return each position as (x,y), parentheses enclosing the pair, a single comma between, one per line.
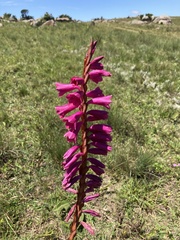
(140,194)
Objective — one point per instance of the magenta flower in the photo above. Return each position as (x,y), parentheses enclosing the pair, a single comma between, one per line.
(70,151)
(64,88)
(92,212)
(82,174)
(95,64)
(87,227)
(63,110)
(94,115)
(97,92)
(71,135)
(102,101)
(77,80)
(176,165)
(96,75)
(103,128)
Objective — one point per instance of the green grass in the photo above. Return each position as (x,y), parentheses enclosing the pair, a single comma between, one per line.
(140,196)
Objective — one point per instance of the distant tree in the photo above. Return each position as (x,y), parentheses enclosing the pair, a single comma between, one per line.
(47,16)
(149,16)
(141,16)
(65,16)
(14,17)
(6,15)
(24,13)
(98,19)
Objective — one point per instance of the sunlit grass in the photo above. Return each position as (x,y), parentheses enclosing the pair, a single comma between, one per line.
(139,195)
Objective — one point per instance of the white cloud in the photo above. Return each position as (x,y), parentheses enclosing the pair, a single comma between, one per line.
(8,3)
(135,12)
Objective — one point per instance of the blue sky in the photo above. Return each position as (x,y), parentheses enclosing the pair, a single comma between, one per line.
(86,10)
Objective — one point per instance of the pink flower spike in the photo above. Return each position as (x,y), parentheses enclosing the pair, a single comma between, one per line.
(91,197)
(70,151)
(95,64)
(92,213)
(70,213)
(87,227)
(103,128)
(64,88)
(97,92)
(102,101)
(96,75)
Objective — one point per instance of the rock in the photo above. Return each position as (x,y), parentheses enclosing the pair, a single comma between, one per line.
(163,20)
(145,18)
(28,21)
(138,22)
(1,24)
(65,19)
(48,23)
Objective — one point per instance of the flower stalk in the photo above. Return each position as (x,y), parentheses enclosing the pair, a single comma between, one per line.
(82,170)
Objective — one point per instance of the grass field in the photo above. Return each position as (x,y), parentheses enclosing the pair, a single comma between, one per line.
(140,194)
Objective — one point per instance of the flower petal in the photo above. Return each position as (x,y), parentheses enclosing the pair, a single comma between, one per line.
(67,164)
(92,212)
(75,98)
(64,88)
(96,75)
(63,110)
(71,211)
(100,137)
(70,151)
(94,177)
(97,169)
(102,101)
(87,227)
(71,190)
(97,92)
(101,145)
(73,118)
(92,184)
(91,197)
(95,64)
(97,151)
(77,80)
(71,135)
(94,115)
(67,185)
(96,162)
(103,128)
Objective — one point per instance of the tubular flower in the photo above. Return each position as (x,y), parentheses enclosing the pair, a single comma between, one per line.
(82,173)
(96,75)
